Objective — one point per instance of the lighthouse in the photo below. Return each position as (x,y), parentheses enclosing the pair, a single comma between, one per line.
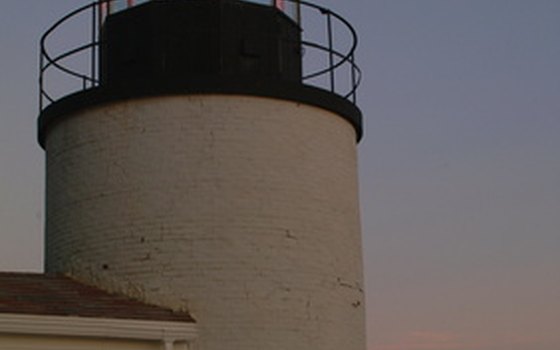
(199,163)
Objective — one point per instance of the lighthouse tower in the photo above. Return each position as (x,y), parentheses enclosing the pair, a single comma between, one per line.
(204,165)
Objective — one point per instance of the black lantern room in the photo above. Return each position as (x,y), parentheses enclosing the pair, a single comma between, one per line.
(158,47)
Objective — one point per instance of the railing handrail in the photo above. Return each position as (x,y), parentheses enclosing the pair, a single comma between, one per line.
(44,54)
(337,59)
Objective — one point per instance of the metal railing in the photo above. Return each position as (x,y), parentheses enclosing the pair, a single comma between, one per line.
(327,64)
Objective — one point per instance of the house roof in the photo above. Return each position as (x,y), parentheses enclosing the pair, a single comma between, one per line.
(57,295)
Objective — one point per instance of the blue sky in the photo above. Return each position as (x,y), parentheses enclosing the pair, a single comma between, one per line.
(460,166)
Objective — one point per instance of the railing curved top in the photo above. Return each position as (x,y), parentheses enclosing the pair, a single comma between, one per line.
(340,63)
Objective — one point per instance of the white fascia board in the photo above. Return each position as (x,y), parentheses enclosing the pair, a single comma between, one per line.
(72,326)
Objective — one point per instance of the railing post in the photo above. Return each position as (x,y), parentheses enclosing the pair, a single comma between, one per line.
(353,69)
(331,53)
(93,39)
(41,64)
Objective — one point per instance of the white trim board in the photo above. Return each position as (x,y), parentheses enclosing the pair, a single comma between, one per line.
(98,327)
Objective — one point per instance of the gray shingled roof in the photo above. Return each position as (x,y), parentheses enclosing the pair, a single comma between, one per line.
(56,295)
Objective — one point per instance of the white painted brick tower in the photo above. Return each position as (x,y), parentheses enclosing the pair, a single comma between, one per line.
(199,169)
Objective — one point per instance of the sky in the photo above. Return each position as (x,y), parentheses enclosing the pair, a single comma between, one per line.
(459,167)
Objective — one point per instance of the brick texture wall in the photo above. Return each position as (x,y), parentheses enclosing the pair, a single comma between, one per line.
(242,210)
